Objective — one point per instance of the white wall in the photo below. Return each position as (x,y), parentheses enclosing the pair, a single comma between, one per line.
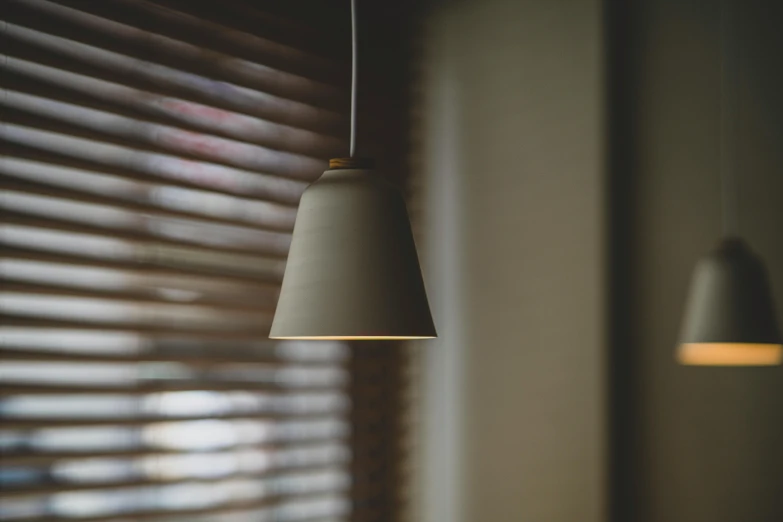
(513,418)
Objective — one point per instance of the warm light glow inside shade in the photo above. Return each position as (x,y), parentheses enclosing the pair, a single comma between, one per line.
(730,317)
(730,354)
(354,338)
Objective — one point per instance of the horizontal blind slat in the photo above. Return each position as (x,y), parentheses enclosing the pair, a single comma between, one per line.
(135,32)
(161,166)
(12,251)
(89,91)
(191,176)
(309,61)
(132,343)
(148,285)
(145,389)
(312,36)
(12,319)
(75,185)
(99,486)
(276,511)
(25,424)
(99,310)
(336,445)
(185,359)
(49,244)
(99,125)
(54,290)
(28,217)
(50,212)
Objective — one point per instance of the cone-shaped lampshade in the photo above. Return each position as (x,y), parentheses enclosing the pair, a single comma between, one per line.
(352,270)
(730,317)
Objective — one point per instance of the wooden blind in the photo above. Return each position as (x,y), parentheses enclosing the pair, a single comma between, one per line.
(153,153)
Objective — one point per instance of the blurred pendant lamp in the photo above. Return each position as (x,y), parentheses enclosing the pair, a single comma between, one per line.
(730,315)
(352,271)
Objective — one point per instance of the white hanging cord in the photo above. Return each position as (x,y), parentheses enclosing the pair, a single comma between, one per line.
(353,78)
(729,118)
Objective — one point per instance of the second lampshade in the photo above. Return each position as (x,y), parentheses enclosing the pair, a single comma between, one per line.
(730,317)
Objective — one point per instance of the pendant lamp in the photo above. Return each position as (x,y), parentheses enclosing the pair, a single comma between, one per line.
(352,270)
(730,315)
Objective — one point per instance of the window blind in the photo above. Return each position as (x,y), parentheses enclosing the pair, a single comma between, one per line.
(153,153)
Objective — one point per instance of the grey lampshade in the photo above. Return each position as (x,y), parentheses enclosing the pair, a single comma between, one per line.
(352,270)
(730,316)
